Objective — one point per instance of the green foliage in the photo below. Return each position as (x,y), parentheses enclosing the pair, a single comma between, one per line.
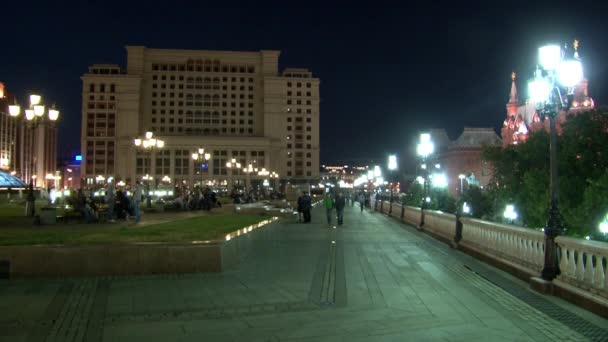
(521,175)
(440,198)
(413,196)
(479,202)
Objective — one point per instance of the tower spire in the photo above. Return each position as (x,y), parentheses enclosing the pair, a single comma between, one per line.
(513,97)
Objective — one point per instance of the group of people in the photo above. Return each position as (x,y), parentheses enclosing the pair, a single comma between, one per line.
(197,199)
(119,205)
(337,202)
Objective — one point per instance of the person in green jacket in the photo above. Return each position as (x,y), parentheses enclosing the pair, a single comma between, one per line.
(328,202)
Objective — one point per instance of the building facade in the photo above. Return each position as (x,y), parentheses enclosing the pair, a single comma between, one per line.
(28,149)
(463,157)
(235,105)
(523,119)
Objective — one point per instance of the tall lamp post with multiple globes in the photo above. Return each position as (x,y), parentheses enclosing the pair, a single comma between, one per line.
(34,115)
(392,166)
(204,158)
(552,89)
(425,149)
(232,164)
(148,143)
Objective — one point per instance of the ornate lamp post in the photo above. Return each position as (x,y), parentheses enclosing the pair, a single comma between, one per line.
(552,90)
(203,157)
(461,177)
(424,149)
(392,166)
(231,165)
(149,143)
(34,115)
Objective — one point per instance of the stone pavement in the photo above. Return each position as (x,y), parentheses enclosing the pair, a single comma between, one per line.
(372,279)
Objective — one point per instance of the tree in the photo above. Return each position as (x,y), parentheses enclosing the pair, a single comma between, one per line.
(521,174)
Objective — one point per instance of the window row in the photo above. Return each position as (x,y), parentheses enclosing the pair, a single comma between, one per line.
(101,88)
(181,112)
(203,131)
(204,67)
(191,79)
(298,85)
(196,104)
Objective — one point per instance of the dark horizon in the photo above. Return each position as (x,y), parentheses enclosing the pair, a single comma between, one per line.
(386,72)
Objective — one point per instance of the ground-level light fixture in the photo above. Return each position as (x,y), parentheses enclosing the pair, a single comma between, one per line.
(510,212)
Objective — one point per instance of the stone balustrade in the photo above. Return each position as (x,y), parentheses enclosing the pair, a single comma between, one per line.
(440,223)
(583,264)
(521,247)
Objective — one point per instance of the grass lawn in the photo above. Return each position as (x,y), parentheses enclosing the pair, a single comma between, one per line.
(178,231)
(18,210)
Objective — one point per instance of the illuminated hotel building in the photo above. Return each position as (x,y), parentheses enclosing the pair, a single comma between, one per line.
(233,104)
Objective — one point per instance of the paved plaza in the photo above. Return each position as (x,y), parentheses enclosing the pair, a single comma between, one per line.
(372,279)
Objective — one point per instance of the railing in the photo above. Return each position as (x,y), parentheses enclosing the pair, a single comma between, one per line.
(519,246)
(583,264)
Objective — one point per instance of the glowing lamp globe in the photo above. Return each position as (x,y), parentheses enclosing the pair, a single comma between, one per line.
(39,110)
(14,110)
(539,90)
(392,162)
(35,99)
(549,57)
(570,73)
(149,135)
(29,114)
(53,114)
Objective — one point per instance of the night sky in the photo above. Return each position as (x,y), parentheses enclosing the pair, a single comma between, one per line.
(386,72)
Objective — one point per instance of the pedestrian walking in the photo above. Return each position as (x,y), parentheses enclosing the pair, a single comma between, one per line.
(300,206)
(362,200)
(306,206)
(111,200)
(340,204)
(137,195)
(328,203)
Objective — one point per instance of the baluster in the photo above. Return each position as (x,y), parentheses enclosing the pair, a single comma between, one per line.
(580,267)
(563,261)
(540,254)
(572,264)
(599,281)
(589,268)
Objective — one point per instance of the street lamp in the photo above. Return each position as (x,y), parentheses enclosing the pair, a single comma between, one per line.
(461,177)
(425,149)
(34,115)
(204,157)
(392,166)
(604,226)
(231,165)
(552,89)
(149,143)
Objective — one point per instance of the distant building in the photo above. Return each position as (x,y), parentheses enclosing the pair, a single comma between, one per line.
(8,132)
(523,119)
(27,150)
(233,104)
(463,157)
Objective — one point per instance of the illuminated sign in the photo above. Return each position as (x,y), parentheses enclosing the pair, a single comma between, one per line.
(78,158)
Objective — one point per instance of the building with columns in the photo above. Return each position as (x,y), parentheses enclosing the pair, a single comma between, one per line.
(235,105)
(28,148)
